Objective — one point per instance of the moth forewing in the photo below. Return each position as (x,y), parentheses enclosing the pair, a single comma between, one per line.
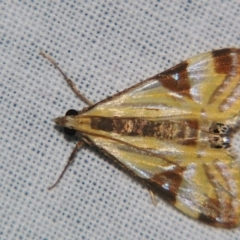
(174,131)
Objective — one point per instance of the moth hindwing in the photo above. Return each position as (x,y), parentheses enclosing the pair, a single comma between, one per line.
(174,131)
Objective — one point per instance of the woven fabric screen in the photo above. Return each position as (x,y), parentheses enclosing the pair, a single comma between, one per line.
(104,47)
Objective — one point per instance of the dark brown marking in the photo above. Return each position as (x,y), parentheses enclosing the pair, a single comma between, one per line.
(224,62)
(221,135)
(207,219)
(176,79)
(188,141)
(217,216)
(218,91)
(218,211)
(190,132)
(168,183)
(105,124)
(194,124)
(184,132)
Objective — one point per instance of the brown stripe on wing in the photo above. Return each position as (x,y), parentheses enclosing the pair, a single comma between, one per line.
(233,73)
(218,211)
(226,61)
(215,218)
(227,176)
(230,99)
(176,79)
(220,89)
(168,183)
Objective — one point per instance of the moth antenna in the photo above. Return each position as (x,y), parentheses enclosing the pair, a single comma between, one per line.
(70,160)
(68,80)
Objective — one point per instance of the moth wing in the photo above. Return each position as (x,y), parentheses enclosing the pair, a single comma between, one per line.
(207,84)
(206,187)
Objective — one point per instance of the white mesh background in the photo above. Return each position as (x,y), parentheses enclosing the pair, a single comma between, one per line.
(104,46)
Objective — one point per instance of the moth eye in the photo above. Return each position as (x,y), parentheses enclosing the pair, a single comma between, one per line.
(71,112)
(69,131)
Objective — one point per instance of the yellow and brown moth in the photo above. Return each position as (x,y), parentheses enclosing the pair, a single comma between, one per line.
(174,131)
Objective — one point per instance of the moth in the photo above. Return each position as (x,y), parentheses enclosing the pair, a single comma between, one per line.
(174,131)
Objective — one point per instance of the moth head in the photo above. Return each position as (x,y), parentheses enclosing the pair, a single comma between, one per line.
(66,122)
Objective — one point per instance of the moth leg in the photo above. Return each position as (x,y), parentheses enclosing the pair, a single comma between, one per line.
(68,80)
(70,160)
(153,197)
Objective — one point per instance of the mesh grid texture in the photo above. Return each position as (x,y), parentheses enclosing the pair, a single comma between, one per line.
(104,46)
